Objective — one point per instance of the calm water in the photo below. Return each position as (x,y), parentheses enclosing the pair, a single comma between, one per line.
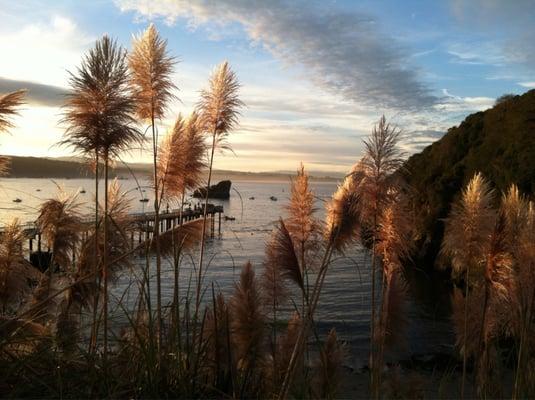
(344,302)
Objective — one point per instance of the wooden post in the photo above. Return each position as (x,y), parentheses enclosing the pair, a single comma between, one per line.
(219,225)
(212,227)
(39,242)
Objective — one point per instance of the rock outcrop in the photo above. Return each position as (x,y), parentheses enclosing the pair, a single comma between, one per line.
(219,191)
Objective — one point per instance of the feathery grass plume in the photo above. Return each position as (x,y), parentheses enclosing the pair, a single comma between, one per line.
(342,223)
(466,232)
(498,259)
(273,285)
(218,111)
(520,237)
(393,233)
(99,109)
(392,246)
(100,122)
(382,159)
(514,207)
(15,271)
(118,243)
(60,224)
(468,225)
(247,323)
(301,222)
(151,69)
(181,158)
(170,160)
(330,367)
(219,105)
(343,210)
(9,104)
(194,147)
(119,205)
(281,255)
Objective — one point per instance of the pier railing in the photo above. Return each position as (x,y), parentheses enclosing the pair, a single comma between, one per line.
(142,226)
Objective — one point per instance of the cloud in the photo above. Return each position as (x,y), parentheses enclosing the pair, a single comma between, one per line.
(341,51)
(477,54)
(39,94)
(418,140)
(513,19)
(530,85)
(42,51)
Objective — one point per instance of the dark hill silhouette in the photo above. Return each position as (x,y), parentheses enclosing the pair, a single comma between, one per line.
(35,167)
(499,142)
(74,167)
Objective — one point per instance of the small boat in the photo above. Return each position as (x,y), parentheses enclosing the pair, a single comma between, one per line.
(37,190)
(82,191)
(251,198)
(227,218)
(144,200)
(17,200)
(273,198)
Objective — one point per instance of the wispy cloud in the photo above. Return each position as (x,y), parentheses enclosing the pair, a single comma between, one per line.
(530,85)
(342,51)
(477,53)
(489,17)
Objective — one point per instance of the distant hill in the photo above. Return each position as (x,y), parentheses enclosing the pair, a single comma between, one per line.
(499,142)
(35,167)
(73,167)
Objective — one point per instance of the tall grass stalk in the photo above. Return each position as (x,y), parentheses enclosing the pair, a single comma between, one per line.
(151,68)
(466,232)
(218,115)
(381,160)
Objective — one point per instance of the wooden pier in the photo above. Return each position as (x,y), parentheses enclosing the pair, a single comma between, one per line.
(142,229)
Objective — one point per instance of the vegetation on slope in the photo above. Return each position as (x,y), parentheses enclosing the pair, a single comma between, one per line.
(499,143)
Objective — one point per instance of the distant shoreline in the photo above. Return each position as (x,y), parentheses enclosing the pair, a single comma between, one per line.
(50,168)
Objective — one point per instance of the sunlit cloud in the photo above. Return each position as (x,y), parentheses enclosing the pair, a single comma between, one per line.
(41,52)
(340,51)
(315,78)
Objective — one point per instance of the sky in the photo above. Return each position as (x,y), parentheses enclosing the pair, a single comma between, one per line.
(315,76)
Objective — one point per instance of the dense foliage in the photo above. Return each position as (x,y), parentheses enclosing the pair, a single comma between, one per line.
(499,143)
